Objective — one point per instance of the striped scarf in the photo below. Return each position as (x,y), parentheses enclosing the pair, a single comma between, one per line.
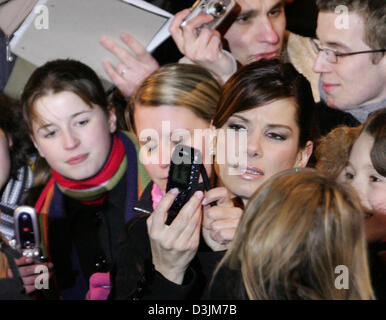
(94,189)
(14,194)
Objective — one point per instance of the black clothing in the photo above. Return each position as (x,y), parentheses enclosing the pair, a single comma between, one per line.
(227,284)
(133,275)
(328,118)
(94,230)
(377,271)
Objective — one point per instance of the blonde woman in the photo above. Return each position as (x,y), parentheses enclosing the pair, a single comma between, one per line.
(298,229)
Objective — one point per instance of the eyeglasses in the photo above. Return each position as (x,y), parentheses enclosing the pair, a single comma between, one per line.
(332,56)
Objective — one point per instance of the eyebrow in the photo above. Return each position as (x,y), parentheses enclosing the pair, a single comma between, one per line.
(279,4)
(270,126)
(335,44)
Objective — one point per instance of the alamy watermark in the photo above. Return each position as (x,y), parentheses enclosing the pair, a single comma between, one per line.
(227,145)
(342,280)
(42,20)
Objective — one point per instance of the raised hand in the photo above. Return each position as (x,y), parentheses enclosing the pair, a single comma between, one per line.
(131,71)
(174,246)
(204,49)
(27,269)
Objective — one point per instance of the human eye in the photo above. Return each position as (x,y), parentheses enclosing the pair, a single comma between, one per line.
(236,126)
(275,12)
(348,174)
(243,18)
(150,147)
(177,141)
(276,136)
(82,123)
(49,134)
(374,178)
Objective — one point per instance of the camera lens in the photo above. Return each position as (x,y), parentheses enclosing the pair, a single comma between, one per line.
(217,9)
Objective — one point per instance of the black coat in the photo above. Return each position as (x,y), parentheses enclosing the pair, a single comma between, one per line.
(133,275)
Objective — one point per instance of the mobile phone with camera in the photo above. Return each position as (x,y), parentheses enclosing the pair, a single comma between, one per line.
(27,231)
(185,170)
(219,9)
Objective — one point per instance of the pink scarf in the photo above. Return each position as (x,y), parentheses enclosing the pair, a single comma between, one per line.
(156,195)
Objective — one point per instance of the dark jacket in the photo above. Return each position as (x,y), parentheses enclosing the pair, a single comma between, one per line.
(133,275)
(328,118)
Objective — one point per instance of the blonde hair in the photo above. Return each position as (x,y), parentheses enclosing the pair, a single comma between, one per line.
(297,228)
(183,85)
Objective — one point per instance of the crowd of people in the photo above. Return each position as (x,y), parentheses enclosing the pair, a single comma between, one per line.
(292,133)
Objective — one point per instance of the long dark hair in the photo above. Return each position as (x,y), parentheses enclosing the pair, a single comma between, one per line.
(62,75)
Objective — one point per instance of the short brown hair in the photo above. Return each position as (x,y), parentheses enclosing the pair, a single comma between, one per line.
(62,75)
(373,13)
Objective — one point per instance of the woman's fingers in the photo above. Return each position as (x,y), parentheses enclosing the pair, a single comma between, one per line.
(220,195)
(140,51)
(186,221)
(156,221)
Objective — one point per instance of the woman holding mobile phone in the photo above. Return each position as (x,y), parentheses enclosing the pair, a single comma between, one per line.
(273,104)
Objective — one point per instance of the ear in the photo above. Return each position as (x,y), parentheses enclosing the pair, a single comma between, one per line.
(36,145)
(304,155)
(10,142)
(112,120)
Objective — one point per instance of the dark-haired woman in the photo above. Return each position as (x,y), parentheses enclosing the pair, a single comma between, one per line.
(94,172)
(268,103)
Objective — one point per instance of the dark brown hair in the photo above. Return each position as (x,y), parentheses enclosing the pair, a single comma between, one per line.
(11,123)
(376,127)
(265,81)
(62,75)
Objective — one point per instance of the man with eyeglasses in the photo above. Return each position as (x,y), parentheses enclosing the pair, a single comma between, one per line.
(350,60)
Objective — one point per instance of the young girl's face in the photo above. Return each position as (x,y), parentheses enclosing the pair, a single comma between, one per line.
(272,146)
(159,129)
(74,138)
(369,185)
(5,160)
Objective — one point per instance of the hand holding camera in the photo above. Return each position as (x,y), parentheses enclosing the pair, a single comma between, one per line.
(193,31)
(28,244)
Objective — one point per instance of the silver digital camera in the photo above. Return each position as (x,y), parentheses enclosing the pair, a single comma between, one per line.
(219,9)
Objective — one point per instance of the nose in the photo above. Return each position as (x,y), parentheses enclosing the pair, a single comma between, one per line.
(321,65)
(265,32)
(254,148)
(165,155)
(361,192)
(69,139)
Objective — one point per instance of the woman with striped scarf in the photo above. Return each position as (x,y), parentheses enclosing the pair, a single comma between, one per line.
(95,176)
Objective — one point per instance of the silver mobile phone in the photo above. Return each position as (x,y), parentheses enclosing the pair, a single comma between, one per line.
(27,231)
(219,9)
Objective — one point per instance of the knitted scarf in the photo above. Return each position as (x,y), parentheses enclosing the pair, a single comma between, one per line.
(94,189)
